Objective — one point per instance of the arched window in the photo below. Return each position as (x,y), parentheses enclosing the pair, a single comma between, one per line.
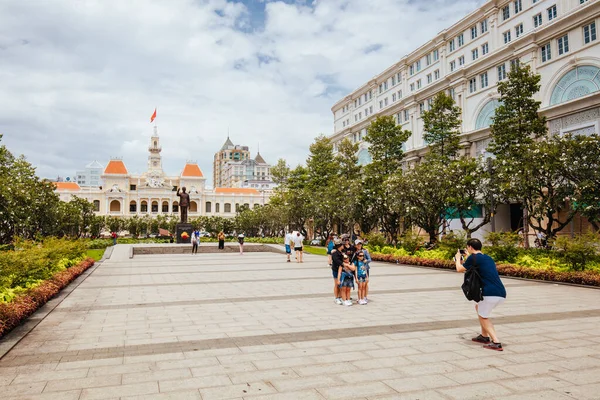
(96,205)
(578,82)
(256,205)
(217,207)
(208,206)
(246,205)
(484,118)
(115,206)
(155,206)
(132,206)
(364,157)
(237,207)
(227,208)
(165,206)
(144,206)
(193,206)
(175,207)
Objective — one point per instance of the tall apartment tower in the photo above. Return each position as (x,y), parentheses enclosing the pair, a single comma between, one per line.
(558,39)
(228,153)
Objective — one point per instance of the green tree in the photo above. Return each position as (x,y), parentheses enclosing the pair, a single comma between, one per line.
(472,187)
(28,205)
(581,160)
(386,140)
(528,168)
(422,195)
(280,172)
(441,124)
(322,177)
(346,189)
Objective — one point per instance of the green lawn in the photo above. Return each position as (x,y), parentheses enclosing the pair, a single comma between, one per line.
(320,251)
(96,254)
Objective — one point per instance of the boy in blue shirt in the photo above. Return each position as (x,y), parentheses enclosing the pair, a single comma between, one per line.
(494,292)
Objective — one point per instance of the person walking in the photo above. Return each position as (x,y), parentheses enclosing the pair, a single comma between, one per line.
(114,238)
(337,260)
(298,246)
(367,260)
(287,241)
(221,238)
(195,241)
(241,242)
(494,292)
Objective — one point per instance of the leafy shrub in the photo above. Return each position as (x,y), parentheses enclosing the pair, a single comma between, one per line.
(410,241)
(435,254)
(26,302)
(375,239)
(578,251)
(451,242)
(503,246)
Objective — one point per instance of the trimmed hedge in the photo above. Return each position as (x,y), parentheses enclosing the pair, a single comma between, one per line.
(588,278)
(13,313)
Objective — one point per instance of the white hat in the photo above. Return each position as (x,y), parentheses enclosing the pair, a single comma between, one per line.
(357,241)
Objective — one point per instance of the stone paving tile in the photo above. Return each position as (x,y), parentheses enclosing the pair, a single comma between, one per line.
(126,328)
(69,395)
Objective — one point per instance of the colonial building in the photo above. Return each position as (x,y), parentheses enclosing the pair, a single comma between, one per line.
(557,38)
(154,192)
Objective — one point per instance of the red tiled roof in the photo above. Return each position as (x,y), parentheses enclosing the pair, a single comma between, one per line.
(221,190)
(66,186)
(116,167)
(192,170)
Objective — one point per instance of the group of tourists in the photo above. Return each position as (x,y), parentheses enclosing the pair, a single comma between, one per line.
(195,239)
(349,262)
(297,240)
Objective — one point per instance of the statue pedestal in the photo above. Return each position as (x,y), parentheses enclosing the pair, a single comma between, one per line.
(182,228)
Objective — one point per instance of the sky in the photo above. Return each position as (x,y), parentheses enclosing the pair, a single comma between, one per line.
(79,80)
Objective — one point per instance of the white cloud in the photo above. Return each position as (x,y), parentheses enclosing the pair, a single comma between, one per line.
(80,79)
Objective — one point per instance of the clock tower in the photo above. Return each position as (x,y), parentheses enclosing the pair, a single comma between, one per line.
(155,173)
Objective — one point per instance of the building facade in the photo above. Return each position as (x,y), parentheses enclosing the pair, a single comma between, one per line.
(90,175)
(228,153)
(557,38)
(154,192)
(239,173)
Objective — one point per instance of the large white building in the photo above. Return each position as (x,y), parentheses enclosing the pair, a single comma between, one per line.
(90,175)
(557,38)
(153,193)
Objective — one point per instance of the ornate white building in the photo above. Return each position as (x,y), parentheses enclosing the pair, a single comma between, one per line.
(557,38)
(154,192)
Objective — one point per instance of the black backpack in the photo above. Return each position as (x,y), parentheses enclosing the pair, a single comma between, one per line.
(472,286)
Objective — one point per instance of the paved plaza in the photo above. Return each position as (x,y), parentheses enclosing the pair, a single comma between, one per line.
(225,326)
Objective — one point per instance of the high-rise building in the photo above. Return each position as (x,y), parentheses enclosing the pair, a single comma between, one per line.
(558,39)
(90,176)
(228,153)
(248,173)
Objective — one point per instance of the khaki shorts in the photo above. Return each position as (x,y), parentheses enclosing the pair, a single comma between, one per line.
(485,306)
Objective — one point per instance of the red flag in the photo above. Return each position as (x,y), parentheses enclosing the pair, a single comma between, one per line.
(153,116)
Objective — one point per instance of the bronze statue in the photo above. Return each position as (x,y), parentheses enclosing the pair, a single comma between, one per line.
(184,203)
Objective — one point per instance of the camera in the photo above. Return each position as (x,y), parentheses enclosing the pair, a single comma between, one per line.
(462,252)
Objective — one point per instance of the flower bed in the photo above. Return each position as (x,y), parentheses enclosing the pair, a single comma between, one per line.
(23,305)
(589,278)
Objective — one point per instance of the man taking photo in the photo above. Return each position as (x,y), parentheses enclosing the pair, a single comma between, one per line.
(493,290)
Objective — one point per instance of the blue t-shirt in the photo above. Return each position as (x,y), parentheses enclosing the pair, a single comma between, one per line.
(330,246)
(361,269)
(490,280)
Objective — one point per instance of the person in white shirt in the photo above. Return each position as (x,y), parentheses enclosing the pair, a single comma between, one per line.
(288,245)
(298,246)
